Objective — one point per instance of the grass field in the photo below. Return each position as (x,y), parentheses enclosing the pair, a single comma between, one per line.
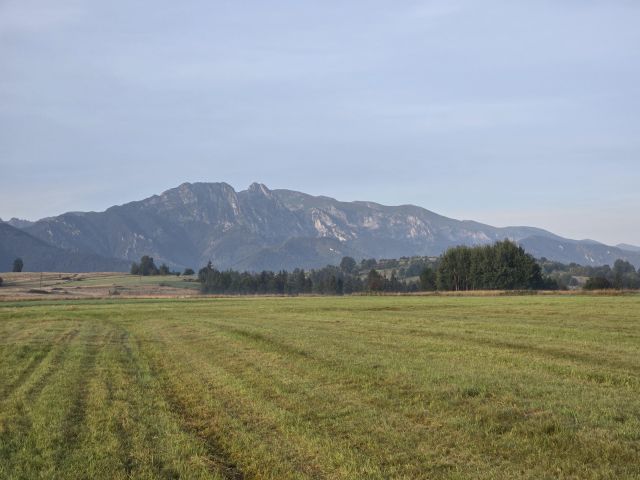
(31,285)
(343,388)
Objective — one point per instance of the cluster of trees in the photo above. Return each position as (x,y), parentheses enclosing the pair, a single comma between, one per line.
(502,266)
(622,276)
(147,267)
(330,280)
(231,281)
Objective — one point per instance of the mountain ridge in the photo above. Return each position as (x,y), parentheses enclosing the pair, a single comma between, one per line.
(628,248)
(259,228)
(39,256)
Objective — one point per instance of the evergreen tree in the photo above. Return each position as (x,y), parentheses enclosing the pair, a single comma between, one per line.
(427,280)
(18,264)
(375,281)
(147,267)
(624,275)
(348,265)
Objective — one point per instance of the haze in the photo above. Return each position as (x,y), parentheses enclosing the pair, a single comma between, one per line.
(502,112)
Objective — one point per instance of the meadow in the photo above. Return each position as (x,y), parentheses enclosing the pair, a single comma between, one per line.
(536,387)
(35,285)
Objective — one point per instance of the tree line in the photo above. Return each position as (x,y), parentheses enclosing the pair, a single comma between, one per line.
(502,266)
(147,267)
(621,276)
(330,280)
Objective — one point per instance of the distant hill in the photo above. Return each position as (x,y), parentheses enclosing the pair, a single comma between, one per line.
(581,252)
(628,248)
(19,222)
(259,228)
(39,256)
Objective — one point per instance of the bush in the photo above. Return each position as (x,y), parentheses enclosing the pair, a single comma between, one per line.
(597,283)
(0,281)
(188,271)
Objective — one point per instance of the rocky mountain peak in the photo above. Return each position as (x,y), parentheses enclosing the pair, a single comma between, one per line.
(260,188)
(261,228)
(18,222)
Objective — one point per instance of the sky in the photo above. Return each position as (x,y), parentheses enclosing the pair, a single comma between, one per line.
(508,113)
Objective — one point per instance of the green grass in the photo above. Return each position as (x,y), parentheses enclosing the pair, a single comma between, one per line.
(343,388)
(100,279)
(127,280)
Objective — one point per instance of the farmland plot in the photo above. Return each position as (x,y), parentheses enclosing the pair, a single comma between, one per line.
(359,387)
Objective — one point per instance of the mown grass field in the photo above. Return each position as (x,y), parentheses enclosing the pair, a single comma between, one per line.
(93,279)
(30,285)
(343,388)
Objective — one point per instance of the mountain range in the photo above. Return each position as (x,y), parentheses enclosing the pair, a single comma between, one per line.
(39,256)
(259,228)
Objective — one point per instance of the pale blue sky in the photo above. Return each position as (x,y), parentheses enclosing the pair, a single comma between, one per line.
(504,112)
